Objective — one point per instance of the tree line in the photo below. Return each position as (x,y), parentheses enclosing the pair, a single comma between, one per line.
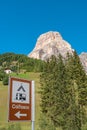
(64,93)
(20,61)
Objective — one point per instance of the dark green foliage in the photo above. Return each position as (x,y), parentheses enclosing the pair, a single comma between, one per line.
(64,92)
(5,80)
(4,77)
(2,74)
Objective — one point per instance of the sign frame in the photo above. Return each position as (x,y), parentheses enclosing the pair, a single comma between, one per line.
(21,111)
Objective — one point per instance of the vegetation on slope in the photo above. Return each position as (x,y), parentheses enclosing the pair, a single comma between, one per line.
(19,62)
(62,103)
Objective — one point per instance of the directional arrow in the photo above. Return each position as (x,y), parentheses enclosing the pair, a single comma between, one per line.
(18,115)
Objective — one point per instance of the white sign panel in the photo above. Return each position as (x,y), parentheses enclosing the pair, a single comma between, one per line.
(20,92)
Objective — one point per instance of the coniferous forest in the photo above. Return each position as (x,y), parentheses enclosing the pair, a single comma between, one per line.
(64,93)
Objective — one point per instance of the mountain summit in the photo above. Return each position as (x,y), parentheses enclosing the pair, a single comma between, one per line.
(48,44)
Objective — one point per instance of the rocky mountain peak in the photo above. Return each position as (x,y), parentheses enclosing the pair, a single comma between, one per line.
(50,43)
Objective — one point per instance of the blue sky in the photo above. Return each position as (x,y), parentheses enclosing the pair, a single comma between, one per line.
(22,21)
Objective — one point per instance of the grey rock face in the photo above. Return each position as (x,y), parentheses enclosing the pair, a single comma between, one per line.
(48,44)
(83,59)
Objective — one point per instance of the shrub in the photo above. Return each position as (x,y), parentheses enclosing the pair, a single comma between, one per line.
(5,80)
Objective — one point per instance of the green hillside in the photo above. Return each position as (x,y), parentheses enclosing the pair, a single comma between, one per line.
(20,63)
(61,100)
